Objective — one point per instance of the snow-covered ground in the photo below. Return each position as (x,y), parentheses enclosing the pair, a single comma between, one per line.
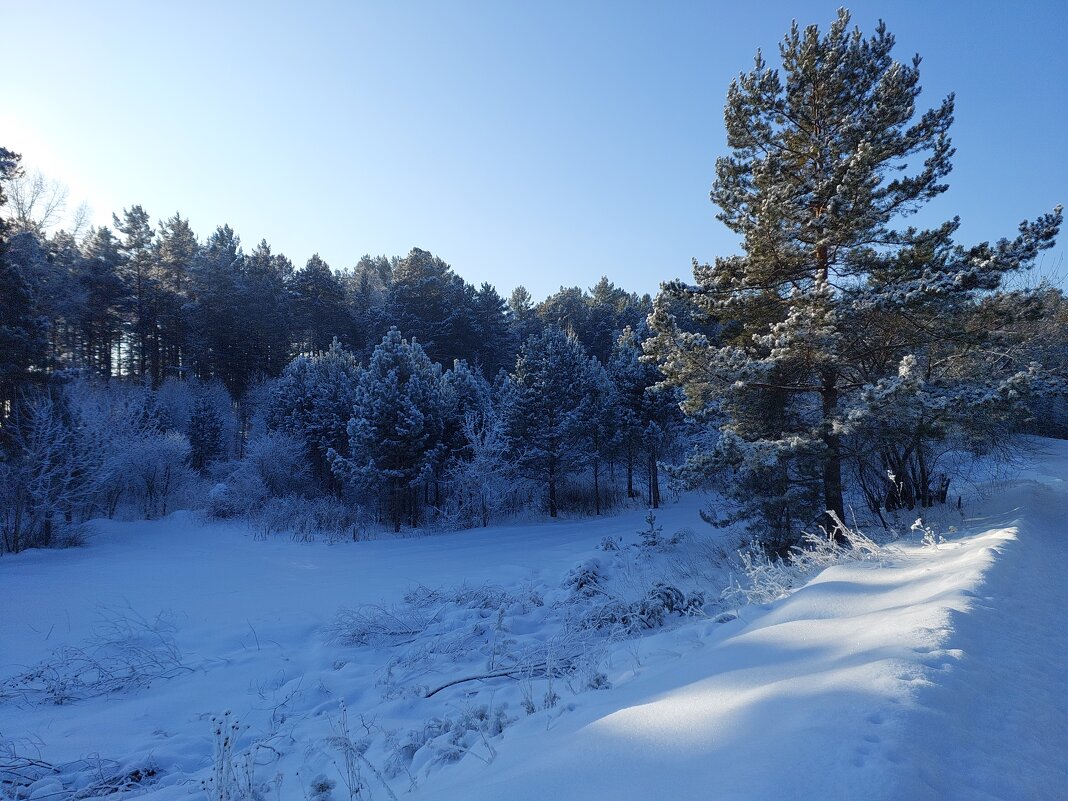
(935,673)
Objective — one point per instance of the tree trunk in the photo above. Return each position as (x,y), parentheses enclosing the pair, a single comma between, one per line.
(654,480)
(396,504)
(597,486)
(552,486)
(832,458)
(630,470)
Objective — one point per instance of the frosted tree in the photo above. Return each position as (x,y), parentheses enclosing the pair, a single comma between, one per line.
(480,478)
(647,414)
(546,410)
(832,292)
(465,393)
(395,433)
(312,401)
(599,421)
(433,304)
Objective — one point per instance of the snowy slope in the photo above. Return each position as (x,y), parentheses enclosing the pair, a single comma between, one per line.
(818,697)
(936,675)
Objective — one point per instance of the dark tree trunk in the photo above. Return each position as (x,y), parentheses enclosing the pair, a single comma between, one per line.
(832,458)
(552,486)
(597,486)
(654,480)
(630,470)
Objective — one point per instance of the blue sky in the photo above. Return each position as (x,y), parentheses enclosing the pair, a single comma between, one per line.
(534,143)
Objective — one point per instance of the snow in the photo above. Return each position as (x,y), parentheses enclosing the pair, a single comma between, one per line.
(937,674)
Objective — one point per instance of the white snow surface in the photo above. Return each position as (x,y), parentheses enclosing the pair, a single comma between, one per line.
(939,673)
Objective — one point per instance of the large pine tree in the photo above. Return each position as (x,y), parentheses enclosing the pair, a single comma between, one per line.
(827,157)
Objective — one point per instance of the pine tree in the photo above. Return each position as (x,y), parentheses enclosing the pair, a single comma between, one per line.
(215,315)
(313,401)
(320,311)
(567,310)
(647,413)
(177,251)
(395,433)
(494,345)
(104,301)
(826,159)
(22,328)
(265,306)
(138,250)
(366,292)
(523,320)
(205,434)
(599,421)
(434,305)
(546,413)
(465,392)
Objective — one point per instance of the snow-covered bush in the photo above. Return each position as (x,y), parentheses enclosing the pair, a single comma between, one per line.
(205,435)
(126,652)
(156,472)
(586,580)
(444,740)
(769,578)
(312,401)
(311,519)
(173,404)
(60,451)
(275,466)
(623,617)
(196,409)
(48,479)
(480,481)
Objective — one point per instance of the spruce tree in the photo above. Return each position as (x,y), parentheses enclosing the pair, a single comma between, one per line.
(827,157)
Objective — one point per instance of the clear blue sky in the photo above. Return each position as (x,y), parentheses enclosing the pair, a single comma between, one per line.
(536,143)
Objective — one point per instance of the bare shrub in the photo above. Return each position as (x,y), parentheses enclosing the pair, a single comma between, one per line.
(126,652)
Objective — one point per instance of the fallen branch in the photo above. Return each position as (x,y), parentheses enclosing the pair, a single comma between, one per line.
(520,670)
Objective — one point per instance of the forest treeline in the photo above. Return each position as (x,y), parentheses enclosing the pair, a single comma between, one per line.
(143,366)
(845,360)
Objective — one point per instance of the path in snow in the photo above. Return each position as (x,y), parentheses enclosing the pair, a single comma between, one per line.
(995,725)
